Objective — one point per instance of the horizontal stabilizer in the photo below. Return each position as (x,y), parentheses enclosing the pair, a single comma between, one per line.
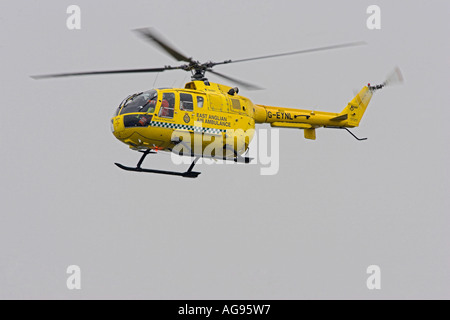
(342,117)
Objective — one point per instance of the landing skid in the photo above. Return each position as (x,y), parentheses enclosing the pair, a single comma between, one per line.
(187,174)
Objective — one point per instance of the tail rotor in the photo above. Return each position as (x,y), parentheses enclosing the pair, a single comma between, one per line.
(393,78)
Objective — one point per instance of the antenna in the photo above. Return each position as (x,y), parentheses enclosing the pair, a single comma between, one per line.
(156,78)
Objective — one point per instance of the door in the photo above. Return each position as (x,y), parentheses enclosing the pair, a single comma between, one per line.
(186,109)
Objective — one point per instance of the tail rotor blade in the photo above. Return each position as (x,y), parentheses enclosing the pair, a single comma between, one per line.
(395,77)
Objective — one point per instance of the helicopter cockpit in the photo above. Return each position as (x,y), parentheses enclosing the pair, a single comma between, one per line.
(138,108)
(144,102)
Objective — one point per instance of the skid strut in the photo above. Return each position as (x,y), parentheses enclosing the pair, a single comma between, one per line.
(187,174)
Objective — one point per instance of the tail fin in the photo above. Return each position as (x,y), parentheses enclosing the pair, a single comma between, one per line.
(356,108)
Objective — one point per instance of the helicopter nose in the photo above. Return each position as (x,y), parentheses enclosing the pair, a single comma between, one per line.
(117,125)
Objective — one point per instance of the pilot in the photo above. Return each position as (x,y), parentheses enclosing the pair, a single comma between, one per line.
(151,106)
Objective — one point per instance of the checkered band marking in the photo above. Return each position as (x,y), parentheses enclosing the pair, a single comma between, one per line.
(186,127)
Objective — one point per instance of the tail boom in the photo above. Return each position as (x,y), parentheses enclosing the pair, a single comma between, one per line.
(309,120)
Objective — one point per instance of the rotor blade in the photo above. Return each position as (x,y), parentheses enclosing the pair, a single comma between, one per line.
(241,83)
(395,77)
(60,75)
(151,34)
(338,46)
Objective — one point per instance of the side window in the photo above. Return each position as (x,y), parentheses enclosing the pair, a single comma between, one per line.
(186,103)
(167,105)
(200,101)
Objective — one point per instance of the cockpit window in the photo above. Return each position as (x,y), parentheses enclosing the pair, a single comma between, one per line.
(141,102)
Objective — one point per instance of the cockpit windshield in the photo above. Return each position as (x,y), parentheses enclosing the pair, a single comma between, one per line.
(140,102)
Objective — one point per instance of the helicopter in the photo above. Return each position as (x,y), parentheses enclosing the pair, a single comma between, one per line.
(186,121)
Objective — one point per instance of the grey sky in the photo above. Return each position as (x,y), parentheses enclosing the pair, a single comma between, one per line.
(335,207)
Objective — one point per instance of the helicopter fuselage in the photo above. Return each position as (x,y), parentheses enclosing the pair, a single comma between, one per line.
(159,119)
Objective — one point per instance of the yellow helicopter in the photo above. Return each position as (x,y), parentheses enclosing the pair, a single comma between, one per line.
(189,120)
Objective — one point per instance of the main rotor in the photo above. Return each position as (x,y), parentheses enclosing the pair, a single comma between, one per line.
(197,69)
